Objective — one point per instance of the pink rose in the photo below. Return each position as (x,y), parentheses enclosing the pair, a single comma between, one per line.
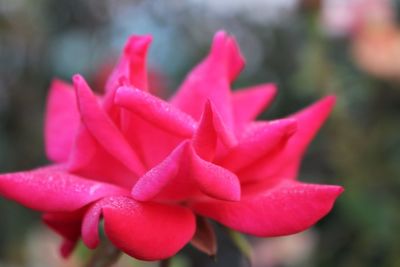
(148,167)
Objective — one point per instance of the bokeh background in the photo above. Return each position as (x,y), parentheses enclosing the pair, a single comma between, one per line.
(310,48)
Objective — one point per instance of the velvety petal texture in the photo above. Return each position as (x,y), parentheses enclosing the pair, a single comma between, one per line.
(52,190)
(154,172)
(102,128)
(287,208)
(285,163)
(61,110)
(155,111)
(148,231)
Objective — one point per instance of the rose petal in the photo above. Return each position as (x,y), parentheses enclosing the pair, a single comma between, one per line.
(285,209)
(155,111)
(90,224)
(103,129)
(149,141)
(170,180)
(286,163)
(211,129)
(61,110)
(153,182)
(67,247)
(266,138)
(309,121)
(214,180)
(211,79)
(150,134)
(249,102)
(132,64)
(205,138)
(89,159)
(53,191)
(183,174)
(147,231)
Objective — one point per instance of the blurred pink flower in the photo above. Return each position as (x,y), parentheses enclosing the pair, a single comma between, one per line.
(147,167)
(348,17)
(374,35)
(376,50)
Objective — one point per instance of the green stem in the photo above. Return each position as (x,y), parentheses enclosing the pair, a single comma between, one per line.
(104,256)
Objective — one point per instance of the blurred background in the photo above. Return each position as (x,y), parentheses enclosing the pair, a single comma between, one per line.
(310,48)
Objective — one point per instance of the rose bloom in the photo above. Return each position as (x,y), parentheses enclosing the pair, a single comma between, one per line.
(153,170)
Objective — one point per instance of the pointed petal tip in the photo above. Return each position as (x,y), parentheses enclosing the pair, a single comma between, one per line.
(271,89)
(208,110)
(288,125)
(225,48)
(338,190)
(121,93)
(66,248)
(272,86)
(326,102)
(138,44)
(77,79)
(249,102)
(329,99)
(222,39)
(220,33)
(56,83)
(80,84)
(313,116)
(208,105)
(226,135)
